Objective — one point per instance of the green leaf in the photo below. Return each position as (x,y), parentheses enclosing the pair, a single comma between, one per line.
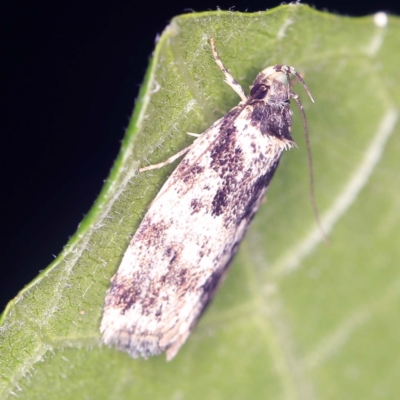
(295,319)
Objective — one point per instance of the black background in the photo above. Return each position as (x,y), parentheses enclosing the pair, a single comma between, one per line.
(70,74)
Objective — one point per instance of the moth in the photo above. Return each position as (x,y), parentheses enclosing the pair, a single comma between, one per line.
(181,252)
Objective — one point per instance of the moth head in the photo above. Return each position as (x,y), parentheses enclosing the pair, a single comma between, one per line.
(272,85)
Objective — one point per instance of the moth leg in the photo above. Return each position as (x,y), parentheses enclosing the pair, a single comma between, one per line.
(167,161)
(229,79)
(193,134)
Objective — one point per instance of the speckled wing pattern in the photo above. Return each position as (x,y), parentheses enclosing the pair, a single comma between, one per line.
(185,243)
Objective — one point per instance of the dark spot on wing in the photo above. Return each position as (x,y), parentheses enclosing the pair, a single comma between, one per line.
(121,295)
(151,233)
(215,280)
(227,162)
(190,173)
(196,205)
(229,119)
(257,192)
(220,201)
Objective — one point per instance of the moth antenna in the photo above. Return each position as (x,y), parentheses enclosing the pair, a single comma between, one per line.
(298,76)
(310,160)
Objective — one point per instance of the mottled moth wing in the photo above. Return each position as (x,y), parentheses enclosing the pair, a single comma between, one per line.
(187,239)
